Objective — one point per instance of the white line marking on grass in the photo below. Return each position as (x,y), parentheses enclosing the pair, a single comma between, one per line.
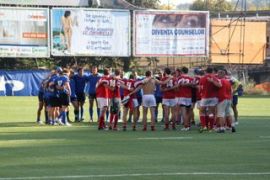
(164,138)
(265,137)
(139,175)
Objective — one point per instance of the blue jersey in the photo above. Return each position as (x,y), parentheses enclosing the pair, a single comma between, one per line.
(158,92)
(72,87)
(140,92)
(51,89)
(61,81)
(80,83)
(92,81)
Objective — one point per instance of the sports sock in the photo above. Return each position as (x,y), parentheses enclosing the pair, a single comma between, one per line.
(91,113)
(82,112)
(203,121)
(111,119)
(98,112)
(76,113)
(115,121)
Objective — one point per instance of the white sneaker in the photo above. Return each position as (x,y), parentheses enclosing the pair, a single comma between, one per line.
(39,122)
(67,124)
(185,129)
(236,123)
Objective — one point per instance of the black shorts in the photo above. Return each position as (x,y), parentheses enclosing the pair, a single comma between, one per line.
(181,105)
(54,101)
(194,97)
(92,96)
(64,99)
(72,99)
(158,99)
(41,96)
(235,100)
(139,98)
(80,97)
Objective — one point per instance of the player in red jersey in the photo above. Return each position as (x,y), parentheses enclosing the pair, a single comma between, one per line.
(196,96)
(168,99)
(102,95)
(178,115)
(185,83)
(114,98)
(209,85)
(132,104)
(224,110)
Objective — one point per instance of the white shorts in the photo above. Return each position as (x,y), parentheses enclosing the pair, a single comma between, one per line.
(149,100)
(135,103)
(206,102)
(102,102)
(169,102)
(184,101)
(224,108)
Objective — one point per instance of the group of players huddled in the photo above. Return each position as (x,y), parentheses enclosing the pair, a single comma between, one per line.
(178,92)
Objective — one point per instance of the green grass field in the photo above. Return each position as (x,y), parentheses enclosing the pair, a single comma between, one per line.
(29,151)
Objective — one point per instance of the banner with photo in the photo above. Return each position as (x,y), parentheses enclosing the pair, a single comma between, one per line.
(171,33)
(90,32)
(24,32)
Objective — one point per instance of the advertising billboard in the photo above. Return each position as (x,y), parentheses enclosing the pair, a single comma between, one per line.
(47,2)
(236,43)
(90,32)
(171,33)
(24,32)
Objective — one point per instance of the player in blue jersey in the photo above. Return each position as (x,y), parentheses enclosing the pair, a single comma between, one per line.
(63,88)
(80,81)
(53,96)
(41,100)
(92,81)
(73,97)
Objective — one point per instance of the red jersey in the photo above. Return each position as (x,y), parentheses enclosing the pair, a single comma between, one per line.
(115,83)
(130,83)
(101,90)
(196,81)
(208,89)
(168,94)
(225,92)
(185,91)
(177,91)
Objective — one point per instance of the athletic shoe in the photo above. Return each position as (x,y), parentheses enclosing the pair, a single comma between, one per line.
(236,123)
(233,130)
(153,128)
(39,122)
(67,124)
(203,129)
(185,129)
(221,131)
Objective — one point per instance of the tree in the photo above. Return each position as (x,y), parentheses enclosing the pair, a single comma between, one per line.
(214,6)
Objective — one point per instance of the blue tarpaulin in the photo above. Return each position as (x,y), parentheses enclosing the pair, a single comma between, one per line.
(21,83)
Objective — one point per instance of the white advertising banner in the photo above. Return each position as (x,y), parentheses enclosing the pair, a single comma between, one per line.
(171,33)
(47,2)
(24,32)
(90,32)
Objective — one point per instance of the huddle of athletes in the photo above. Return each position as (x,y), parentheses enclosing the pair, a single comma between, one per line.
(177,91)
